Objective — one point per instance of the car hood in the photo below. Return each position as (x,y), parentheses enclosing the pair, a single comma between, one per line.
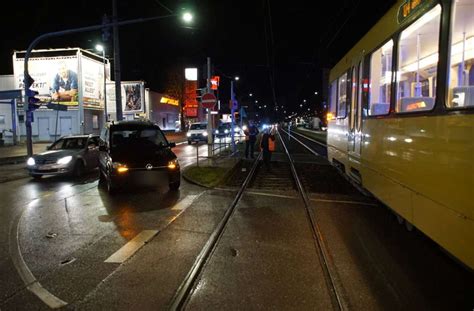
(56,154)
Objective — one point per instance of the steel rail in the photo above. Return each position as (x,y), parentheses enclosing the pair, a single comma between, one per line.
(306,137)
(327,264)
(179,299)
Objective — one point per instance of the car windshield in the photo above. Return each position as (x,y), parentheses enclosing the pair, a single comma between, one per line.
(69,143)
(150,137)
(198,126)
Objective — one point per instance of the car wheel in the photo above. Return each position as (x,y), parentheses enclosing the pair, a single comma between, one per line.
(79,169)
(175,185)
(189,142)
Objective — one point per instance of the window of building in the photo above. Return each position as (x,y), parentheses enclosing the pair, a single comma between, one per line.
(342,96)
(95,122)
(461,69)
(417,63)
(2,119)
(380,80)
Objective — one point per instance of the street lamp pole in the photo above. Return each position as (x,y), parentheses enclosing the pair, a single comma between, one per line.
(232,113)
(105,87)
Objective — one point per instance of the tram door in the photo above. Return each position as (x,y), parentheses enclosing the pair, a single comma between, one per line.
(354,137)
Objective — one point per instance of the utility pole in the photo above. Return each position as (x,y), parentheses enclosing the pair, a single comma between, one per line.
(209,116)
(232,113)
(118,87)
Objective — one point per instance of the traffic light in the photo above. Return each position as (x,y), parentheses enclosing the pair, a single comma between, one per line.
(33,101)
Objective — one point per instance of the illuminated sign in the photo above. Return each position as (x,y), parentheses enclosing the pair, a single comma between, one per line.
(169,101)
(215,82)
(412,8)
(191,74)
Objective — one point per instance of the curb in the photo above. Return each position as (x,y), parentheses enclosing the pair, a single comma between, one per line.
(224,178)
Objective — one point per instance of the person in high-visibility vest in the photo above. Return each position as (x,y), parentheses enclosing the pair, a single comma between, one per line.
(267,144)
(250,138)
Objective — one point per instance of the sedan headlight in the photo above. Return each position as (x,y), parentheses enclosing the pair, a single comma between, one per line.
(64,160)
(217,131)
(204,134)
(226,131)
(30,162)
(188,134)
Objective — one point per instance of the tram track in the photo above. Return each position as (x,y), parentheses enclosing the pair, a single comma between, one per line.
(282,177)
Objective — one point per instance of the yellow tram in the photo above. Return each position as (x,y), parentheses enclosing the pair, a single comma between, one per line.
(401,118)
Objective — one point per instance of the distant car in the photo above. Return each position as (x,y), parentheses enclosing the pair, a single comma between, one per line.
(70,155)
(223,130)
(197,132)
(131,152)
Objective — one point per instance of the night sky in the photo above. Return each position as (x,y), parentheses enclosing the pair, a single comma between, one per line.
(280,46)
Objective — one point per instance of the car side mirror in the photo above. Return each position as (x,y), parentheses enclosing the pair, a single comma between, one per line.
(102,148)
(172,145)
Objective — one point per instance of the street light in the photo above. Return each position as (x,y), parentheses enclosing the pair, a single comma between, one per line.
(187,17)
(100,48)
(237,78)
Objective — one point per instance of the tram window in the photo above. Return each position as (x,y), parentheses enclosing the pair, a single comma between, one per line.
(342,97)
(333,99)
(380,80)
(417,63)
(461,83)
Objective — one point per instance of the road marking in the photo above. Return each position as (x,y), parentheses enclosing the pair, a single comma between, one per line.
(271,195)
(27,277)
(184,203)
(146,235)
(343,201)
(132,246)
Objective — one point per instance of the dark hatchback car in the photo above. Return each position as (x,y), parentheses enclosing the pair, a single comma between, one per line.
(132,153)
(69,155)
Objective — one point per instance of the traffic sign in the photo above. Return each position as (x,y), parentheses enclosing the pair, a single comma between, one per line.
(208,100)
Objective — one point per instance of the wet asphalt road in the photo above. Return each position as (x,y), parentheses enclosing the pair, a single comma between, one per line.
(57,232)
(58,237)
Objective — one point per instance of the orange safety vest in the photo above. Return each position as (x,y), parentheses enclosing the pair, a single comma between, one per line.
(271,144)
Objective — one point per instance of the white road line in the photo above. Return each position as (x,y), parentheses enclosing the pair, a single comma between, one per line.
(132,246)
(271,195)
(343,201)
(184,203)
(27,277)
(146,235)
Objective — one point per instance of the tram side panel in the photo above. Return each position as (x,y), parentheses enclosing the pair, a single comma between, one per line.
(422,167)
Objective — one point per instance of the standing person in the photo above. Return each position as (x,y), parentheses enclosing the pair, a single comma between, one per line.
(65,84)
(267,145)
(250,138)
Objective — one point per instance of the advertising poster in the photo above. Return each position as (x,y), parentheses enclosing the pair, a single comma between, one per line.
(92,82)
(55,78)
(132,97)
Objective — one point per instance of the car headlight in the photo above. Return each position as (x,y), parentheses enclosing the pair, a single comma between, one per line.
(226,131)
(217,131)
(64,160)
(188,134)
(204,134)
(173,164)
(30,162)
